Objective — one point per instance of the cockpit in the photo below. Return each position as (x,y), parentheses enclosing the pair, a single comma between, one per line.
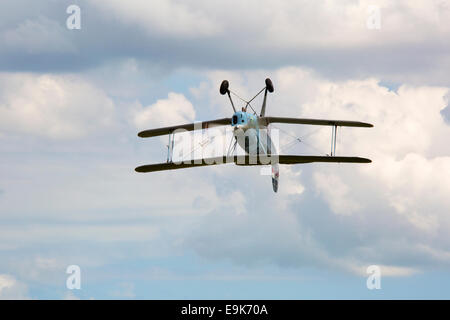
(239,118)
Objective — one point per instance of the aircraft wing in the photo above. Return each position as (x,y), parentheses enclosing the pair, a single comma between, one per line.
(192,163)
(293,159)
(188,127)
(320,122)
(246,160)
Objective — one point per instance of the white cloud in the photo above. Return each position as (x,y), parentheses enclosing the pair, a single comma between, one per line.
(402,195)
(52,106)
(398,204)
(337,193)
(291,181)
(387,271)
(69,295)
(176,109)
(393,212)
(10,288)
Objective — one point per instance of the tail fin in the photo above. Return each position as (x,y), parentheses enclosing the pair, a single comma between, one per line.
(275,176)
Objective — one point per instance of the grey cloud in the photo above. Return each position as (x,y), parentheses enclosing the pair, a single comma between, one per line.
(107,35)
(445,113)
(39,36)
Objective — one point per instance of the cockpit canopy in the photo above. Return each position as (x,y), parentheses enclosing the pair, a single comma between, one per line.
(239,118)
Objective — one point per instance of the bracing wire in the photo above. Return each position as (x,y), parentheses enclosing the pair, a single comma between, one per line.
(200,144)
(247,103)
(299,139)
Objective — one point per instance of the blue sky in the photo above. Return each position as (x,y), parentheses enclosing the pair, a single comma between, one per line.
(72,102)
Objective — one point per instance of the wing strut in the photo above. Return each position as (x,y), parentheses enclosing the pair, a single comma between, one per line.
(170,147)
(333,140)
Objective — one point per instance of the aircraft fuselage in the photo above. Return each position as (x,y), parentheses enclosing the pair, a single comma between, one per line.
(254,139)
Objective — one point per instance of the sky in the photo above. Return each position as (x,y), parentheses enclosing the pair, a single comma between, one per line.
(73,99)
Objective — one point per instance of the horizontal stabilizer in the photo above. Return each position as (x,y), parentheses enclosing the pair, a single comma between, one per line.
(246,160)
(318,122)
(187,127)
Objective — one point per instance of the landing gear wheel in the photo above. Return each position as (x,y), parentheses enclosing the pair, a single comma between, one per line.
(224,87)
(269,85)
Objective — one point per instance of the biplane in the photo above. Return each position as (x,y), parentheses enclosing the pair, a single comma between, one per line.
(247,128)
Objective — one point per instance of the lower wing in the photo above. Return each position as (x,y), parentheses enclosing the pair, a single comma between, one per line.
(248,160)
(264,121)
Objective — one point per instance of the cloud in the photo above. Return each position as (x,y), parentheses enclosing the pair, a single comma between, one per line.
(69,295)
(37,36)
(290,24)
(124,290)
(73,197)
(163,18)
(52,106)
(347,215)
(337,193)
(388,271)
(12,289)
(176,109)
(445,112)
(330,37)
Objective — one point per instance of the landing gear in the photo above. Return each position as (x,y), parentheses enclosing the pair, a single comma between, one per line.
(269,85)
(224,90)
(224,87)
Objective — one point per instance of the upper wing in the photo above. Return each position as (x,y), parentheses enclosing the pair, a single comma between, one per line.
(248,161)
(188,127)
(266,120)
(293,159)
